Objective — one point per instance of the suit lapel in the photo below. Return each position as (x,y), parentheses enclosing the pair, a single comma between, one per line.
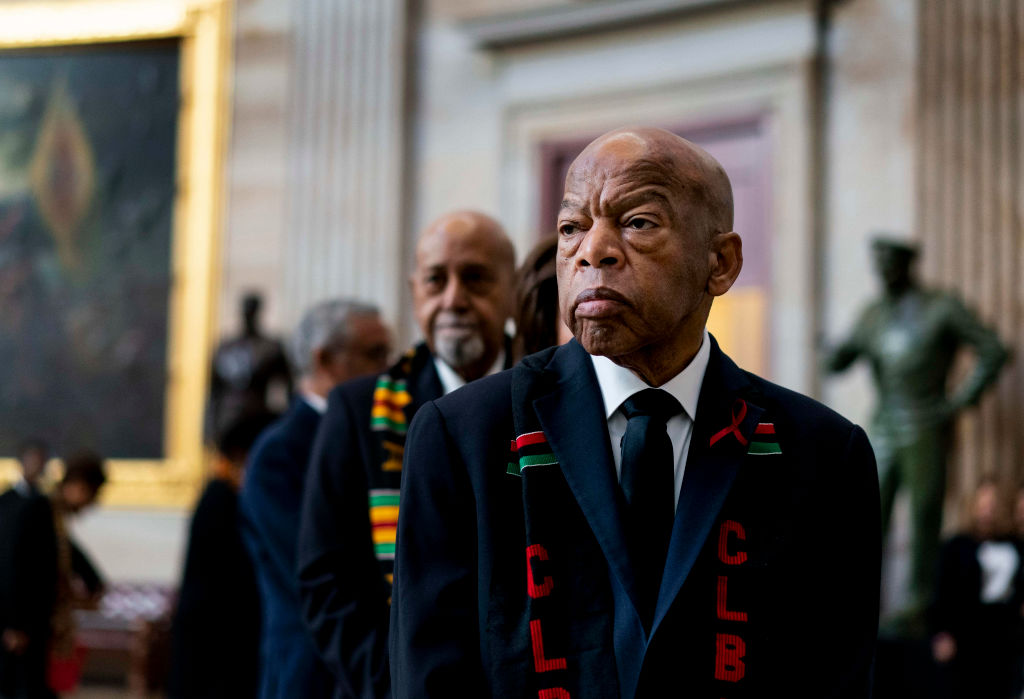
(424,383)
(727,419)
(573,421)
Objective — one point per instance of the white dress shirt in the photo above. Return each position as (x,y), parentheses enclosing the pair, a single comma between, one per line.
(316,402)
(618,383)
(450,379)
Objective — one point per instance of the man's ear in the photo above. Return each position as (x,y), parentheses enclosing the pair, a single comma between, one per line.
(322,359)
(726,252)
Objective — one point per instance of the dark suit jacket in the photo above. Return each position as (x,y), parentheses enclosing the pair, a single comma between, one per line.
(958,608)
(343,586)
(28,579)
(771,583)
(271,505)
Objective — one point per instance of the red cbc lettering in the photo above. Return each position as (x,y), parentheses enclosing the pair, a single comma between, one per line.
(731,527)
(724,612)
(556,693)
(729,652)
(536,551)
(541,663)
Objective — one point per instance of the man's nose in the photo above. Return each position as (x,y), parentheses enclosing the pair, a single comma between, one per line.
(455,294)
(601,246)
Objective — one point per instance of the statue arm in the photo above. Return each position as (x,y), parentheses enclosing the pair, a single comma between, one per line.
(840,357)
(990,353)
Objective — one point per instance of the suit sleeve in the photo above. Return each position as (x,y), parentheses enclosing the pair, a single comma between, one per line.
(435,648)
(271,504)
(85,570)
(343,593)
(848,542)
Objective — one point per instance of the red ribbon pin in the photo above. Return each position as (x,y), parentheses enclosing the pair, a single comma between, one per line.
(739,411)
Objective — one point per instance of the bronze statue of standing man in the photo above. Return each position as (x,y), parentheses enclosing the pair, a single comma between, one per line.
(910,335)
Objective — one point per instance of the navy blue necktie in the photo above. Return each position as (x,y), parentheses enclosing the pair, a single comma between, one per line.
(648,482)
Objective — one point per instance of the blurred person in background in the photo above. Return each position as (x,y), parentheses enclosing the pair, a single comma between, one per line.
(32,457)
(79,584)
(462,290)
(538,322)
(215,630)
(977,615)
(335,341)
(28,579)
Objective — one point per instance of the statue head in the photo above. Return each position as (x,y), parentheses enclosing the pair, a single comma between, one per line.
(894,261)
(252,304)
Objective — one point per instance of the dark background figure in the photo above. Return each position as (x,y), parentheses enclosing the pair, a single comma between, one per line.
(28,582)
(249,372)
(910,336)
(335,341)
(215,630)
(538,323)
(32,457)
(79,584)
(462,290)
(976,620)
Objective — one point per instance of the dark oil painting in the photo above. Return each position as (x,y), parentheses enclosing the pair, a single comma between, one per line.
(87,178)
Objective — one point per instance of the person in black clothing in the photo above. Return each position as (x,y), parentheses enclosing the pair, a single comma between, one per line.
(462,296)
(977,614)
(538,324)
(28,579)
(215,632)
(32,457)
(336,341)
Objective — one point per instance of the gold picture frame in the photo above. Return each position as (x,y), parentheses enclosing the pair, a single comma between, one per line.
(204,30)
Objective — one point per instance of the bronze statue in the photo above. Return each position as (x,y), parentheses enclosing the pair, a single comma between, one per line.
(910,336)
(246,371)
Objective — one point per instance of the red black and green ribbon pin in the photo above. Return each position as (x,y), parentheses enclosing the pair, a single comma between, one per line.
(530,449)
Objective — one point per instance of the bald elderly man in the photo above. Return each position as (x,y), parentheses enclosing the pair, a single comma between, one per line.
(631,514)
(462,290)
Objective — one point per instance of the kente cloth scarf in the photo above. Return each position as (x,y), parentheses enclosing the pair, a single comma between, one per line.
(389,422)
(554,534)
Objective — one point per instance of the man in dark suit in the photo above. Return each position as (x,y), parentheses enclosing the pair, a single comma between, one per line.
(28,580)
(335,341)
(462,290)
(631,515)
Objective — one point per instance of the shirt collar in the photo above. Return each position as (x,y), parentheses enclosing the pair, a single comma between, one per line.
(24,488)
(317,403)
(451,380)
(618,383)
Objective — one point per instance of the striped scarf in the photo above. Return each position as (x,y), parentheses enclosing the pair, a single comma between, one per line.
(389,422)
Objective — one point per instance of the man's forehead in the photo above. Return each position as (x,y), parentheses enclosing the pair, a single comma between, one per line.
(639,178)
(457,251)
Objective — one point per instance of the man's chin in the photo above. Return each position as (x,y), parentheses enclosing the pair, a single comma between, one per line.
(458,350)
(605,340)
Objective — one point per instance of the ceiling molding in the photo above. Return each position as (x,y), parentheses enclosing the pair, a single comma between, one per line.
(509,30)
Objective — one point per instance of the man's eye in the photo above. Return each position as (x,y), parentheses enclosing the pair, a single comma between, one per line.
(568,228)
(433,280)
(639,223)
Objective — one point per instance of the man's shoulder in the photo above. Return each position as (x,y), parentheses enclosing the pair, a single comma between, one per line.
(483,395)
(800,412)
(353,391)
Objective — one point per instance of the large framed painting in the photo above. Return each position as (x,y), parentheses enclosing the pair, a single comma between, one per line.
(112,119)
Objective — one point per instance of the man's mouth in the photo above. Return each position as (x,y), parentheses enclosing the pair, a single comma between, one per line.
(600,302)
